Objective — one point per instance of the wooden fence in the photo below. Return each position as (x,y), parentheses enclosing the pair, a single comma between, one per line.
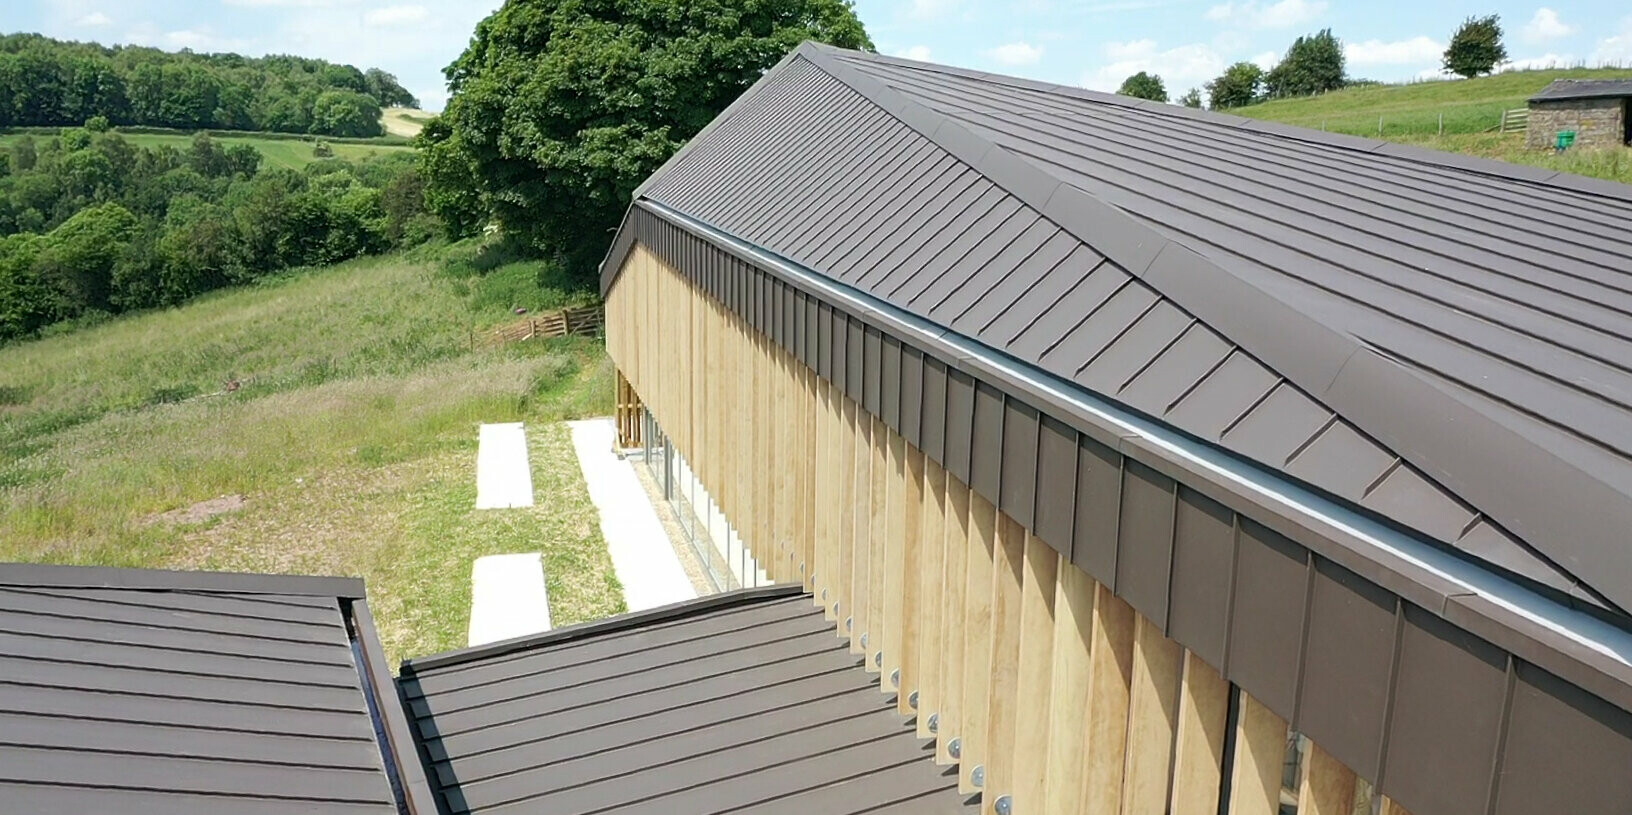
(1516,120)
(586,321)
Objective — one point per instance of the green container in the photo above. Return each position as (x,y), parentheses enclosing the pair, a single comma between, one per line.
(1565,139)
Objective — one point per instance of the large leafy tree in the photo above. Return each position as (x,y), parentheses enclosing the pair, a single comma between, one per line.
(1476,47)
(1144,85)
(1237,86)
(560,108)
(1314,64)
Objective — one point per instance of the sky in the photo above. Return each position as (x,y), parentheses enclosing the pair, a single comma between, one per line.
(1093,43)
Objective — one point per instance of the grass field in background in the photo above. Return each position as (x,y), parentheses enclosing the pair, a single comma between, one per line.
(1468,105)
(351,437)
(405,122)
(292,154)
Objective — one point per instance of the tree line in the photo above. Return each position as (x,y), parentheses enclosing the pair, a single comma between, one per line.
(1315,63)
(91,224)
(51,83)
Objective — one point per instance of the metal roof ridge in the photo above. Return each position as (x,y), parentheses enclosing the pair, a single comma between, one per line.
(1424,560)
(1506,171)
(111,577)
(1331,365)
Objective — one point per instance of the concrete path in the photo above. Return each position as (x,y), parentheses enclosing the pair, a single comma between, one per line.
(504,479)
(641,553)
(507,598)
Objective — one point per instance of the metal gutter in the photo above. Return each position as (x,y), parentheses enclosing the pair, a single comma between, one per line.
(108,577)
(1423,563)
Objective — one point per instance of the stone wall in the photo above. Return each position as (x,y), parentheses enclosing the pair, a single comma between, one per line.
(1596,122)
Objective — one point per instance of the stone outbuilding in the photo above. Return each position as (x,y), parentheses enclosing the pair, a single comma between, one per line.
(1599,111)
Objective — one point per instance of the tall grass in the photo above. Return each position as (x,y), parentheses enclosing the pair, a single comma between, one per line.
(342,404)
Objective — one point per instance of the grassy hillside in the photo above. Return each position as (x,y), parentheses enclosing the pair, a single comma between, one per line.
(277,151)
(350,439)
(406,122)
(1470,107)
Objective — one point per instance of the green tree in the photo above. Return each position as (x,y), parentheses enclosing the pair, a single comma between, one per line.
(561,109)
(1314,64)
(345,113)
(1237,86)
(385,88)
(78,257)
(1476,47)
(1144,85)
(1191,98)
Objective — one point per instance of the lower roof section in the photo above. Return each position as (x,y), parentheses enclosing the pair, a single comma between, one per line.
(138,691)
(742,702)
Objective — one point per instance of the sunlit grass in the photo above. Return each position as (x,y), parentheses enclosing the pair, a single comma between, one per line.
(351,435)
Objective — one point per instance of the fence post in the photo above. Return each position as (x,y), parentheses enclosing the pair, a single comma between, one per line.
(1442,124)
(1379,125)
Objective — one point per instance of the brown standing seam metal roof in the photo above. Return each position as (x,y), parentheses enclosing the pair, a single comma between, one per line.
(1566,89)
(1423,335)
(137,692)
(742,702)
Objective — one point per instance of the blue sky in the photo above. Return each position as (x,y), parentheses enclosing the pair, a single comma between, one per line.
(1095,43)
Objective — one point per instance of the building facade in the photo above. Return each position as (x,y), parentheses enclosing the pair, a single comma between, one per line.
(1090,441)
(1598,112)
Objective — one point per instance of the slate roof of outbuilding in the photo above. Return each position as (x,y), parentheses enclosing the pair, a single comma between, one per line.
(1424,335)
(1566,89)
(137,691)
(744,702)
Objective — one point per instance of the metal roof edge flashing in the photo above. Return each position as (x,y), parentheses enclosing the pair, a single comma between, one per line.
(603,626)
(110,577)
(1349,536)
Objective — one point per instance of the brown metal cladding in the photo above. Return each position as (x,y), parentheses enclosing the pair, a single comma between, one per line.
(1561,745)
(1099,502)
(736,702)
(1144,546)
(935,411)
(1449,696)
(1347,666)
(152,691)
(1056,484)
(1266,627)
(1018,481)
(960,423)
(1203,555)
(986,443)
(890,384)
(912,397)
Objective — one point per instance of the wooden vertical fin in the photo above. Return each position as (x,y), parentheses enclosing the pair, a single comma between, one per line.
(1260,749)
(1198,749)
(977,624)
(1003,694)
(1327,787)
(1064,791)
(1153,709)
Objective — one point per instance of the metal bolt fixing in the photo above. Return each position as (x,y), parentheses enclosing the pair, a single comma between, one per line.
(864,639)
(895,678)
(849,622)
(878,659)
(954,748)
(912,700)
(934,722)
(1003,805)
(978,775)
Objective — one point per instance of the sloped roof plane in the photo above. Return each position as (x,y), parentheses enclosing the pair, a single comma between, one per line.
(1568,89)
(138,692)
(741,702)
(1423,335)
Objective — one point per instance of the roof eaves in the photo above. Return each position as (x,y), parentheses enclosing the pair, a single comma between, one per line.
(107,577)
(1398,560)
(600,627)
(1304,350)
(385,700)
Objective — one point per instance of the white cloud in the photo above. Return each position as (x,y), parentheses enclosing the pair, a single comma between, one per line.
(396,16)
(95,19)
(1400,52)
(1182,67)
(1252,14)
(1266,60)
(917,52)
(202,39)
(1616,48)
(1545,26)
(1016,53)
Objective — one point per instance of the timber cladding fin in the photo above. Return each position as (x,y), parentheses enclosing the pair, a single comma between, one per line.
(1341,651)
